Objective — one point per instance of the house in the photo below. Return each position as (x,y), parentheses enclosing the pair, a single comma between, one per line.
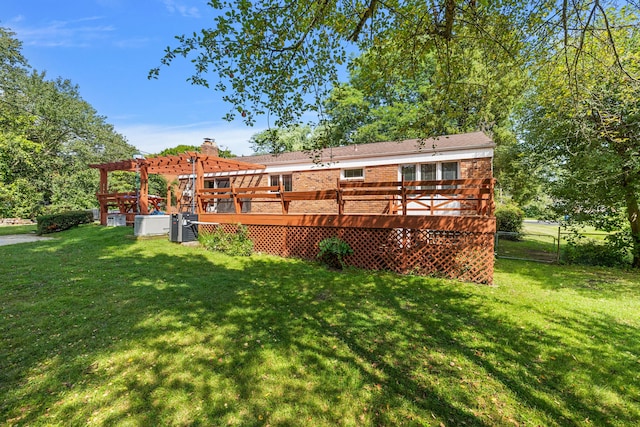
(419,206)
(447,158)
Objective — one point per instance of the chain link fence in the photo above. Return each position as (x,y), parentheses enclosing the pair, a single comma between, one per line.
(542,246)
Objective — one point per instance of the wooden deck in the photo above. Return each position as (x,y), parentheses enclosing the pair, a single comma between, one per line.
(465,197)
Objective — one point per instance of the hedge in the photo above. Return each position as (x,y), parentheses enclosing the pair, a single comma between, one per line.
(63,221)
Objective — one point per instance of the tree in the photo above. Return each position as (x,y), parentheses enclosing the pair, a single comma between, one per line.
(281,140)
(179,149)
(583,122)
(48,136)
(283,58)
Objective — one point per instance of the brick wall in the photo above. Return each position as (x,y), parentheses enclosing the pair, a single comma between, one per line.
(475,169)
(326,179)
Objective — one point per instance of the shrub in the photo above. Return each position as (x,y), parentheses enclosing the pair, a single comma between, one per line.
(63,221)
(218,240)
(509,218)
(333,250)
(591,252)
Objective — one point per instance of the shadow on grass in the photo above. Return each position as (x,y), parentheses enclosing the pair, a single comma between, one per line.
(101,329)
(592,282)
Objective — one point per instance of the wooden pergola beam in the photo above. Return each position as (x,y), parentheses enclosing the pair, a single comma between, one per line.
(183,164)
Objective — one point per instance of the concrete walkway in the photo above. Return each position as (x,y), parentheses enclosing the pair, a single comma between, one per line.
(13,239)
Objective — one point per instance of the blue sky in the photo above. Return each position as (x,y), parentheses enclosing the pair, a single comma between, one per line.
(107,47)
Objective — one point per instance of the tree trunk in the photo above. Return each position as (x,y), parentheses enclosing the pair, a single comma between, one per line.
(633,215)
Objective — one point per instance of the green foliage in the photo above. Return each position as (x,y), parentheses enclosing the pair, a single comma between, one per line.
(282,59)
(63,221)
(509,218)
(179,149)
(218,240)
(584,126)
(48,136)
(332,252)
(597,253)
(281,140)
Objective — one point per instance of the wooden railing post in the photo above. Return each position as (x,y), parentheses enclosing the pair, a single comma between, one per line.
(339,199)
(283,202)
(144,190)
(237,205)
(403,194)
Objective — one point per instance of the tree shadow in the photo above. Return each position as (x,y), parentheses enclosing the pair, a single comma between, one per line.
(184,337)
(592,282)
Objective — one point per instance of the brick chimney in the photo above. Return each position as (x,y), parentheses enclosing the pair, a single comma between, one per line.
(209,147)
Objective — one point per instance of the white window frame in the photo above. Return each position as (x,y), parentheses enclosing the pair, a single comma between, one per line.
(351,178)
(418,169)
(280,178)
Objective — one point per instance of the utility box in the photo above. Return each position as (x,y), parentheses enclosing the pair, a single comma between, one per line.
(182,228)
(116,220)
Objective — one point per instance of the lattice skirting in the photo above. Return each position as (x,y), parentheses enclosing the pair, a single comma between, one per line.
(466,256)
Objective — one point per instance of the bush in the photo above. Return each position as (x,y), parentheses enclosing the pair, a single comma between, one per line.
(509,218)
(591,252)
(333,251)
(237,243)
(63,221)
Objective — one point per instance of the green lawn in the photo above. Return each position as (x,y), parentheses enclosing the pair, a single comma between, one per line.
(539,241)
(98,328)
(17,229)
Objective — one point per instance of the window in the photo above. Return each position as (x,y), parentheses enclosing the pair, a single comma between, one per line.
(450,170)
(286,180)
(217,183)
(409,172)
(353,173)
(429,171)
(220,205)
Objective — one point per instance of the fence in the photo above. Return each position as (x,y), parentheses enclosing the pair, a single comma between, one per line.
(547,246)
(446,246)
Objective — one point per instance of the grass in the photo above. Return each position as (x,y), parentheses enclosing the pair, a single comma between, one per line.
(539,241)
(97,328)
(6,230)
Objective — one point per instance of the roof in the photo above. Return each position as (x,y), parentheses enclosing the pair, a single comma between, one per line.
(463,141)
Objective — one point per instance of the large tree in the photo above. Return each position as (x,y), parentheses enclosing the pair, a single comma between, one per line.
(582,121)
(283,58)
(48,136)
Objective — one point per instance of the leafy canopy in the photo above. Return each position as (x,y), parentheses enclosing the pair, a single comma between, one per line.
(582,120)
(48,136)
(283,58)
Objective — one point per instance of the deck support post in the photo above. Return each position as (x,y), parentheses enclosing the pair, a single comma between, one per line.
(103,188)
(143,197)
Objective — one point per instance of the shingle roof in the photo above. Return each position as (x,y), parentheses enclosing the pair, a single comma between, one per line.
(378,149)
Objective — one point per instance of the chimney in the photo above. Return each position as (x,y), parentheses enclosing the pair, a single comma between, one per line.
(209,147)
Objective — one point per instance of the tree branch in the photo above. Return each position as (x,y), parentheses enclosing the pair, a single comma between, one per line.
(368,13)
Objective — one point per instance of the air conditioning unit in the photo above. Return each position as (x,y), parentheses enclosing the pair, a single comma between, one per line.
(183,228)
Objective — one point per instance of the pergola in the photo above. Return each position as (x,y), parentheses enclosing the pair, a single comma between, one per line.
(190,163)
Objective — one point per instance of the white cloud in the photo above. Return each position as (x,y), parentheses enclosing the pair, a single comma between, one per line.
(175,6)
(152,138)
(74,33)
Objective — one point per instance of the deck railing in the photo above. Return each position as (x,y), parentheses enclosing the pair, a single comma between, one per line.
(442,197)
